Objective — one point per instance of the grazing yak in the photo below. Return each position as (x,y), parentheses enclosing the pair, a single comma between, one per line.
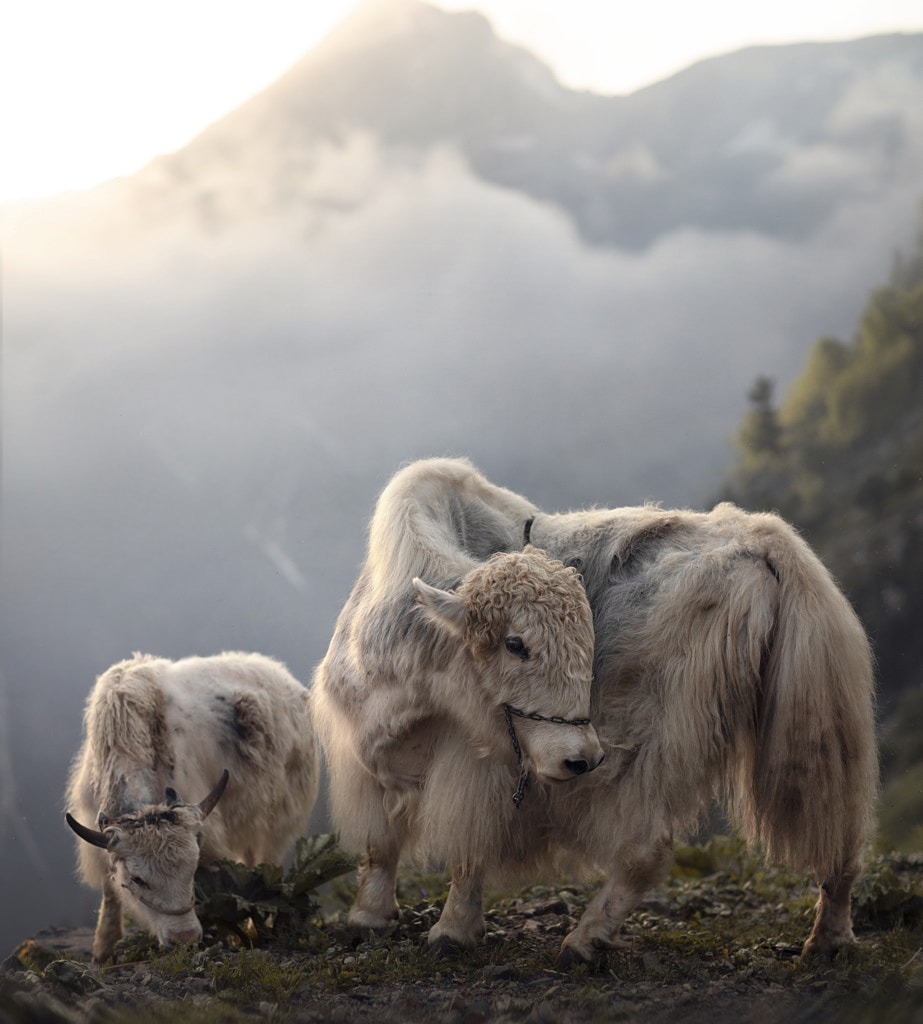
(449,676)
(156,728)
(726,664)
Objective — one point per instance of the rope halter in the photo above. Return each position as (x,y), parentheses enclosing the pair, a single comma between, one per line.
(508,712)
(178,912)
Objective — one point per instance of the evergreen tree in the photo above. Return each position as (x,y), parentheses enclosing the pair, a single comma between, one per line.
(760,434)
(842,458)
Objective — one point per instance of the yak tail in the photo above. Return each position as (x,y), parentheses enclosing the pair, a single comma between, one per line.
(805,785)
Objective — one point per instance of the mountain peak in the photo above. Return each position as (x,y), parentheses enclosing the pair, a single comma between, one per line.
(407,38)
(385,24)
(380,20)
(410,73)
(773,140)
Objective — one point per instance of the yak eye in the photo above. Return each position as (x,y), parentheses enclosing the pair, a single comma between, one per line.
(138,880)
(516,647)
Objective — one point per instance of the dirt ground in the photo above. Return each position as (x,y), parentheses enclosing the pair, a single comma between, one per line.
(678,964)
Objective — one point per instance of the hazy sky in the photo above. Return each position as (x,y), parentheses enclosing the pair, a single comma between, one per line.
(95,89)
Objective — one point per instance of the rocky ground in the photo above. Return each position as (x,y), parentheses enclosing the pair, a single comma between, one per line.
(718,943)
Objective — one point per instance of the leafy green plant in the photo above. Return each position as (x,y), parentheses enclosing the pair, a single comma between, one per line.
(882,899)
(275,903)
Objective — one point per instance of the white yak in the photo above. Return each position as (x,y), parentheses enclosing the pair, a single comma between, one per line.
(727,664)
(448,679)
(235,724)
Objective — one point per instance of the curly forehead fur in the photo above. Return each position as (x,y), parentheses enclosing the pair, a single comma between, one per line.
(523,582)
(162,836)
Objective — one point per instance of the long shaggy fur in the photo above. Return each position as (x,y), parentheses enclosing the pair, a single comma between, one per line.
(150,724)
(406,690)
(727,664)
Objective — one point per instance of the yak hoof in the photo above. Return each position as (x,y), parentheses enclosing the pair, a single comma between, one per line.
(815,949)
(445,947)
(569,957)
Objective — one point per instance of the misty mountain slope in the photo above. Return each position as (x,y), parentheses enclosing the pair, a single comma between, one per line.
(771,139)
(210,369)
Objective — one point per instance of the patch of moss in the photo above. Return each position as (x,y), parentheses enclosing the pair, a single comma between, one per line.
(137,947)
(254,976)
(177,961)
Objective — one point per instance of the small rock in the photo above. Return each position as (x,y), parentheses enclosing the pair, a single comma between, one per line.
(650,961)
(538,908)
(497,972)
(12,965)
(199,986)
(72,975)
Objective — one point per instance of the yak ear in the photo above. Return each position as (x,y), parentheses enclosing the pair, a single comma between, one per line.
(441,605)
(172,796)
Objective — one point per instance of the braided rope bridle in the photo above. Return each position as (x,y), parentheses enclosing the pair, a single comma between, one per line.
(178,912)
(508,712)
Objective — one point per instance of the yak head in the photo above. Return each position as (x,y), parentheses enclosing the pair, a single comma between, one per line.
(525,623)
(153,856)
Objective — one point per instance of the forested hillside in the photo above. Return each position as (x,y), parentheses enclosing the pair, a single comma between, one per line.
(841,456)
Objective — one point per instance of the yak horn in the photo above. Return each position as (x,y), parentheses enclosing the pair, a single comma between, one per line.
(208,804)
(99,839)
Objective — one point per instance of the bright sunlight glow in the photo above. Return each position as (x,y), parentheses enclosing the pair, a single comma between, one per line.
(93,90)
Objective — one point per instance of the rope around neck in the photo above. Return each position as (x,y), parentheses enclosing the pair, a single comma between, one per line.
(508,712)
(153,906)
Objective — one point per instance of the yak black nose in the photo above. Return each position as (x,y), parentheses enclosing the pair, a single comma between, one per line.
(578,766)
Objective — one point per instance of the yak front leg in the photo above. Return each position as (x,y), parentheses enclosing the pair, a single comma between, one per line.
(376,905)
(832,920)
(461,923)
(109,923)
(635,872)
(388,816)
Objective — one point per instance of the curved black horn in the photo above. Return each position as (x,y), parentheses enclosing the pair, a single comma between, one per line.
(88,834)
(208,804)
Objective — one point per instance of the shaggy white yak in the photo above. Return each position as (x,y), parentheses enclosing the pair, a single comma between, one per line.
(448,679)
(727,664)
(156,728)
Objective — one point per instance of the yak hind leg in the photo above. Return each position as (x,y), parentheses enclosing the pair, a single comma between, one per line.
(109,923)
(461,923)
(832,921)
(636,870)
